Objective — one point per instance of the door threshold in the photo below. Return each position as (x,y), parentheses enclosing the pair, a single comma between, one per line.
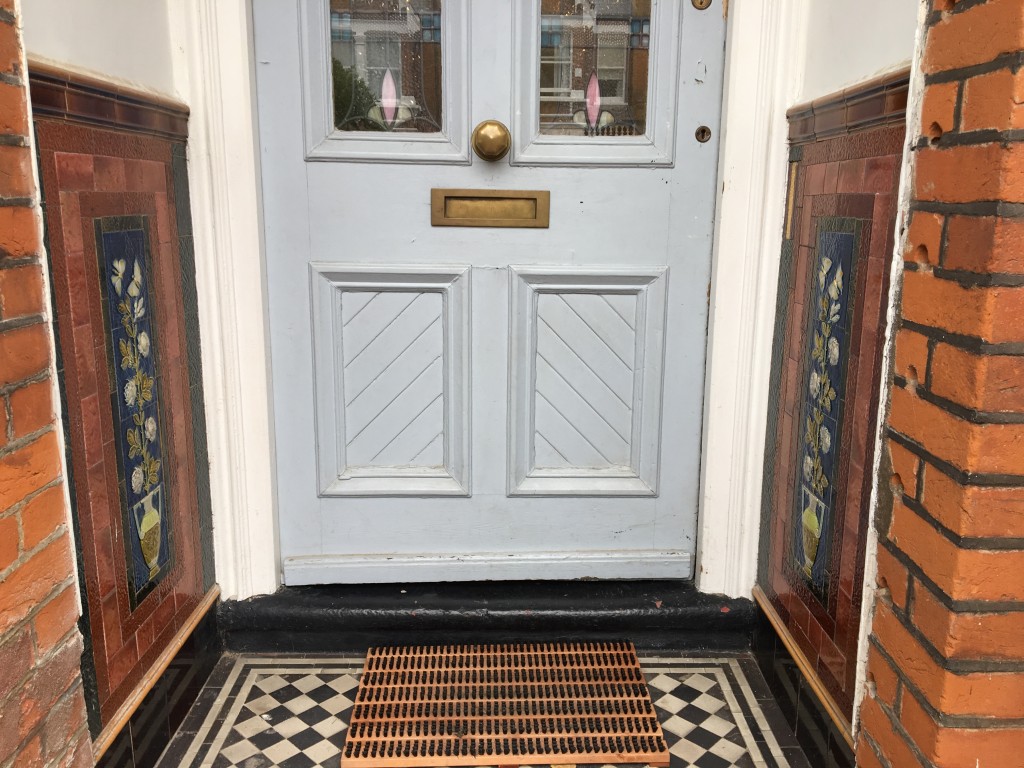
(653,614)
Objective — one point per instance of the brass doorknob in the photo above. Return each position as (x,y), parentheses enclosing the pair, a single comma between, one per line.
(491,140)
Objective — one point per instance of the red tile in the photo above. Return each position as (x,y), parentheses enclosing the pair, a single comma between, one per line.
(71,222)
(831,178)
(85,360)
(851,176)
(880,174)
(91,432)
(815,175)
(104,548)
(163,218)
(74,171)
(109,174)
(123,663)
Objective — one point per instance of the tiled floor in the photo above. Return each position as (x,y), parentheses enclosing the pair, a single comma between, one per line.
(263,711)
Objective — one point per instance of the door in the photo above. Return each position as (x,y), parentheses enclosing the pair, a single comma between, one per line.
(488,402)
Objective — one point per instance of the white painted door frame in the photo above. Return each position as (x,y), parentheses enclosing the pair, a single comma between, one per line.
(215,67)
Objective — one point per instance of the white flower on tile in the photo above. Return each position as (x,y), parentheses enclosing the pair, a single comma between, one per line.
(138,477)
(139,310)
(836,287)
(833,312)
(815,383)
(118,277)
(808,468)
(826,265)
(151,429)
(131,391)
(135,286)
(833,351)
(144,344)
(825,438)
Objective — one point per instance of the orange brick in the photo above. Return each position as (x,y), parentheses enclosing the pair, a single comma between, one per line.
(960,747)
(994,100)
(963,574)
(985,244)
(904,464)
(866,757)
(876,724)
(938,109)
(3,422)
(43,515)
(32,407)
(990,313)
(975,36)
(55,620)
(30,582)
(24,352)
(979,382)
(10,51)
(959,635)
(987,448)
(13,110)
(9,548)
(974,694)
(974,510)
(16,172)
(924,238)
(882,676)
(911,355)
(28,469)
(892,575)
(971,173)
(19,232)
(21,291)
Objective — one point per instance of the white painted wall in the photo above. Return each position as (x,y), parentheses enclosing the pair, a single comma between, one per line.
(127,41)
(847,43)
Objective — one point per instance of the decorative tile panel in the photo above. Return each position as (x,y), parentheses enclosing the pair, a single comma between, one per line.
(124,253)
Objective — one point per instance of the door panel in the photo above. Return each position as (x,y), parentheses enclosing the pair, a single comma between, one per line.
(464,403)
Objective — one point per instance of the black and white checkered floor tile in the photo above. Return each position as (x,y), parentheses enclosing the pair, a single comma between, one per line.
(259,712)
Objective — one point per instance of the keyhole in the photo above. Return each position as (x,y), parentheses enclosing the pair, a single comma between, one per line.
(701,5)
(703,134)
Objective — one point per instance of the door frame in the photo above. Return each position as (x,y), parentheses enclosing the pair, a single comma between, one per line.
(215,67)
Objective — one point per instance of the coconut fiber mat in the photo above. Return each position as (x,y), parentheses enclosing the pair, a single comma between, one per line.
(503,705)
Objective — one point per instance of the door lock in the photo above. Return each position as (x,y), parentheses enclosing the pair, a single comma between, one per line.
(701,5)
(491,140)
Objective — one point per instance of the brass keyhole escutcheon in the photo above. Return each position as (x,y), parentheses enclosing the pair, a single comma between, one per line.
(701,5)
(491,140)
(703,134)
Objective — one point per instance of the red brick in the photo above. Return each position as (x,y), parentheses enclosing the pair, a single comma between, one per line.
(994,100)
(10,51)
(990,448)
(30,582)
(24,352)
(938,109)
(990,313)
(16,172)
(32,407)
(13,110)
(963,574)
(66,718)
(28,469)
(30,755)
(974,694)
(9,541)
(21,292)
(960,635)
(43,515)
(924,238)
(960,747)
(905,464)
(985,244)
(19,232)
(979,382)
(971,173)
(987,512)
(892,575)
(55,620)
(16,660)
(58,673)
(882,676)
(895,749)
(911,355)
(3,421)
(866,757)
(975,36)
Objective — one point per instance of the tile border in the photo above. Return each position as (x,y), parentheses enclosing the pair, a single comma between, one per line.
(876,102)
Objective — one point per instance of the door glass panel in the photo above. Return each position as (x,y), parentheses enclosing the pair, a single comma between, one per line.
(386,65)
(593,67)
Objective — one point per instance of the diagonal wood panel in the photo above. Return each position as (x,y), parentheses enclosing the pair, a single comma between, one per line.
(584,380)
(393,357)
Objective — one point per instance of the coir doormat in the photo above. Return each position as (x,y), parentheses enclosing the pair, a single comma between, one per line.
(503,705)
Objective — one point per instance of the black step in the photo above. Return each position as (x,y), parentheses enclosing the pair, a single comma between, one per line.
(342,618)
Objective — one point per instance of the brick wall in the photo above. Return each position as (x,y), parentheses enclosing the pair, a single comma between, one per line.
(42,708)
(946,686)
